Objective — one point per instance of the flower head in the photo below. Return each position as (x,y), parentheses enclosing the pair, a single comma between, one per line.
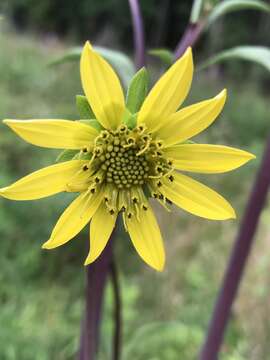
(118,164)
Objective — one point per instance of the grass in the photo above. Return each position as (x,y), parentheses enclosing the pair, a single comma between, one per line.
(41,294)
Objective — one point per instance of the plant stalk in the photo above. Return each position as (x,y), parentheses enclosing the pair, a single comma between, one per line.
(238,260)
(138,33)
(116,351)
(189,38)
(96,275)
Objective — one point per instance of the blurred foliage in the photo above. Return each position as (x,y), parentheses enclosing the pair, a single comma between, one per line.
(41,293)
(109,20)
(256,54)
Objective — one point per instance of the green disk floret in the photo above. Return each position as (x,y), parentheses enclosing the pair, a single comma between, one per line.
(126,158)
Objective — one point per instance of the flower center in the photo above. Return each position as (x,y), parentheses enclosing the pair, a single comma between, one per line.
(124,168)
(122,165)
(126,158)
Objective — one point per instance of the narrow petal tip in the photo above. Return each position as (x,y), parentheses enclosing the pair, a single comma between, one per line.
(188,52)
(88,261)
(88,45)
(249,155)
(189,56)
(160,267)
(7,121)
(233,214)
(48,245)
(222,94)
(3,190)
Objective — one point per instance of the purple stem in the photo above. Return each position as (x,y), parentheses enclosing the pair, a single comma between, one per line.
(116,351)
(189,38)
(238,260)
(97,274)
(138,33)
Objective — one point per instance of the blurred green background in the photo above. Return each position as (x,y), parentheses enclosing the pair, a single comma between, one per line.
(166,315)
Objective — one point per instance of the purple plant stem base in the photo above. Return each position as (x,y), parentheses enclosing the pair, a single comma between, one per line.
(116,351)
(238,260)
(189,38)
(97,274)
(138,33)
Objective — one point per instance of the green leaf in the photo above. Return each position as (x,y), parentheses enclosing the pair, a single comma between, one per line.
(257,54)
(84,108)
(196,11)
(86,113)
(130,120)
(92,122)
(82,156)
(137,90)
(119,61)
(66,155)
(230,6)
(165,55)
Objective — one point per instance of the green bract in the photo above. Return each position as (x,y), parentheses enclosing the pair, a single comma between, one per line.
(137,90)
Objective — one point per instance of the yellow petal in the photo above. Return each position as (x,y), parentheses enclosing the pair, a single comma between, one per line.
(101,228)
(74,219)
(197,198)
(58,134)
(191,120)
(205,159)
(146,238)
(45,182)
(168,93)
(102,88)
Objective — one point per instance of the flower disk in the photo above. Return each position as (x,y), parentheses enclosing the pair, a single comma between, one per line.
(124,161)
(127,158)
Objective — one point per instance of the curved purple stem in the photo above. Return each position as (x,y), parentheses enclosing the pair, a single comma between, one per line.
(116,350)
(189,38)
(138,33)
(238,260)
(97,274)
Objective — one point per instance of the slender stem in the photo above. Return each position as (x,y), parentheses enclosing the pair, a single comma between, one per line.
(96,274)
(138,33)
(189,38)
(81,351)
(116,353)
(238,260)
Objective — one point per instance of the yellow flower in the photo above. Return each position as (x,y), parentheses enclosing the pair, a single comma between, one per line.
(125,166)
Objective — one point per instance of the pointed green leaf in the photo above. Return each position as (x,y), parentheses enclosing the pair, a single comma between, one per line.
(230,6)
(83,156)
(130,120)
(165,55)
(66,155)
(84,108)
(69,154)
(92,122)
(137,90)
(256,54)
